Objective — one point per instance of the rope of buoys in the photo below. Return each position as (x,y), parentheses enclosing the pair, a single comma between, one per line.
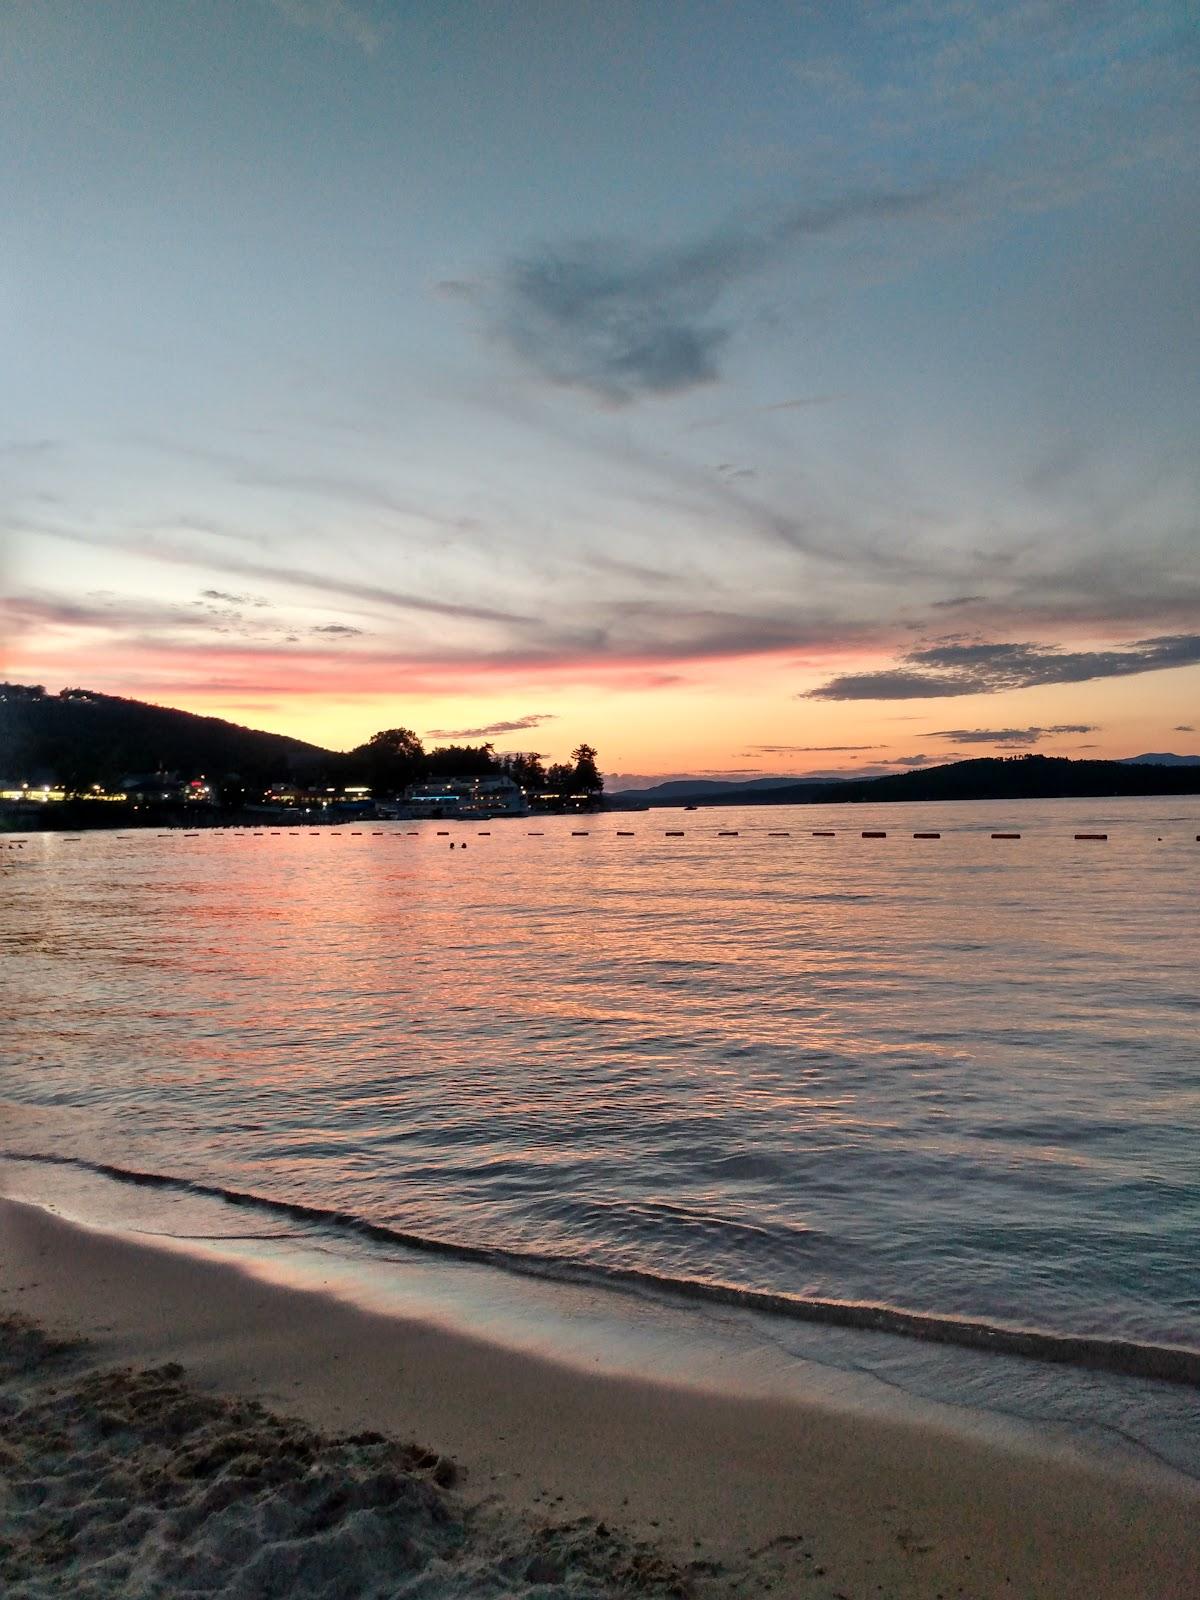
(1091,836)
(674,833)
(579,833)
(873,833)
(927,836)
(776,833)
(1006,836)
(625,833)
(824,833)
(727,833)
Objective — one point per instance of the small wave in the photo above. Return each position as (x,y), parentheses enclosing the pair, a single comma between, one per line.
(1127,1357)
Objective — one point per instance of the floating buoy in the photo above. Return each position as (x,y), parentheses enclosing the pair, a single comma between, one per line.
(625,833)
(777,833)
(1091,836)
(579,833)
(443,833)
(873,833)
(1006,836)
(927,836)
(674,833)
(485,833)
(824,833)
(535,836)
(727,833)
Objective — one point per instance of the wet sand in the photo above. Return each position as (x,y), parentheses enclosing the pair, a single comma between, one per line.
(120,1477)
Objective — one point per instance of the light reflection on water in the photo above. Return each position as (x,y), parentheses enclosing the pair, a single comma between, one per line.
(959,1075)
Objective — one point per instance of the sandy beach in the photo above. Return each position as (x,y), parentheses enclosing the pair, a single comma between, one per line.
(144,1454)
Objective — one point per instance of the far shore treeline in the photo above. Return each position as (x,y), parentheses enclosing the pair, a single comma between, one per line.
(80,739)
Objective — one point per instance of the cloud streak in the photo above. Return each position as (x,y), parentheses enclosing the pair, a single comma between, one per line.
(518,725)
(808,749)
(1011,736)
(950,669)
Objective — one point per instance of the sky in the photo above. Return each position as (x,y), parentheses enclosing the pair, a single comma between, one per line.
(770,388)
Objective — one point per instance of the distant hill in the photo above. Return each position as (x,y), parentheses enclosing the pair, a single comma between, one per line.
(984,778)
(675,789)
(1162,758)
(990,778)
(79,737)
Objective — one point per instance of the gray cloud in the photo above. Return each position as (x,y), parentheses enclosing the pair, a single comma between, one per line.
(959,600)
(954,668)
(912,761)
(1017,736)
(1184,727)
(518,725)
(619,322)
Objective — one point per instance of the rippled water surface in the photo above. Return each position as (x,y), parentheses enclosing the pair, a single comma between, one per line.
(956,1076)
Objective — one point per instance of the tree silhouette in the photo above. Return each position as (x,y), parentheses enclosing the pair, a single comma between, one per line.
(391,758)
(587,774)
(524,767)
(460,761)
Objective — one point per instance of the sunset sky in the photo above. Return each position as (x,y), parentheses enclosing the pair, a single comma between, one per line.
(746,388)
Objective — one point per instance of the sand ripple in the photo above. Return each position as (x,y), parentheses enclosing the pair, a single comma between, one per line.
(124,1483)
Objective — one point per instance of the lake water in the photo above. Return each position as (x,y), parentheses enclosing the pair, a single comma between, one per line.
(947,1088)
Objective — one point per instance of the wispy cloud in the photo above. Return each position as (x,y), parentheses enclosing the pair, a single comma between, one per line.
(802,403)
(948,669)
(159,622)
(491,729)
(297,578)
(1183,727)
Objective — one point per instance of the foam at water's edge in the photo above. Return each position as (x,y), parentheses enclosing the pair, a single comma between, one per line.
(1130,1358)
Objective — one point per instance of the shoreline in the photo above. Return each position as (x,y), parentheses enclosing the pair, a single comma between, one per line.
(885,1505)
